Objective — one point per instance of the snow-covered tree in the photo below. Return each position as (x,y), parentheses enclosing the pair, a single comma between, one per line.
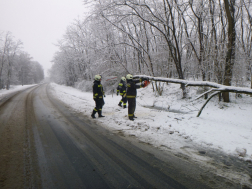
(178,39)
(16,66)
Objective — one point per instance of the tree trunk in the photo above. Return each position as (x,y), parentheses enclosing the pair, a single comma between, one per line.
(229,7)
(251,78)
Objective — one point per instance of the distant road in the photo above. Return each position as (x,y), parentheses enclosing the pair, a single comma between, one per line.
(45,144)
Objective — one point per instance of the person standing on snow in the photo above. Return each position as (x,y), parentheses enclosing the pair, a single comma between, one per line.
(98,94)
(132,93)
(122,90)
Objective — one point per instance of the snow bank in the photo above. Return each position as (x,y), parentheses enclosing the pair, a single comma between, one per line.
(169,122)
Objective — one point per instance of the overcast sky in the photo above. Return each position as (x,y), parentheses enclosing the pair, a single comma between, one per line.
(39,24)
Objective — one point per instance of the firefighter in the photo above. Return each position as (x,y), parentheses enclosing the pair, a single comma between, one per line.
(98,95)
(132,93)
(122,90)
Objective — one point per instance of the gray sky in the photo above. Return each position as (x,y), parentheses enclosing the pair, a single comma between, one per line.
(39,24)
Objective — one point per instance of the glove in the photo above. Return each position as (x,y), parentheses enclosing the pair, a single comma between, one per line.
(146,83)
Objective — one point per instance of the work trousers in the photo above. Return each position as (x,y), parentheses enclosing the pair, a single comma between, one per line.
(98,105)
(131,107)
(123,100)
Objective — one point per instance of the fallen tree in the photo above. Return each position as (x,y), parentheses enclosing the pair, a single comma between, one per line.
(216,88)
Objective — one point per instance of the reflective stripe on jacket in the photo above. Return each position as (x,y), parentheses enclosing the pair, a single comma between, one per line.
(132,88)
(121,87)
(97,90)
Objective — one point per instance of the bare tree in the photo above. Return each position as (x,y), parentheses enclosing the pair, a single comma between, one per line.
(247,39)
(230,12)
(10,49)
(171,38)
(165,23)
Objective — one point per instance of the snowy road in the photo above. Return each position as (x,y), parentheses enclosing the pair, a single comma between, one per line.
(45,144)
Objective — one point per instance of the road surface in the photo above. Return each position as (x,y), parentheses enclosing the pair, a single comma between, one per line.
(45,144)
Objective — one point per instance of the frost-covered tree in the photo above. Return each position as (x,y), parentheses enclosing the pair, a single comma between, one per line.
(16,66)
(176,38)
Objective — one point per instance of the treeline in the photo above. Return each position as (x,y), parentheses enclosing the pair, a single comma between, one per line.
(16,66)
(208,40)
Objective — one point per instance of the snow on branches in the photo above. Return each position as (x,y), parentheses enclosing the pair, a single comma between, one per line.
(217,88)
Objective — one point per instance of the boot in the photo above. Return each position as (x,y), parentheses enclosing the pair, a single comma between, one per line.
(120,104)
(93,114)
(134,116)
(124,106)
(100,113)
(131,118)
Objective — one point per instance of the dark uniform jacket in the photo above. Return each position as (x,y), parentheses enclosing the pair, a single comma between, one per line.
(132,87)
(97,90)
(122,87)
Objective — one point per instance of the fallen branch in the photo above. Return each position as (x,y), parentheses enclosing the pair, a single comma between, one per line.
(212,95)
(218,88)
(224,88)
(203,94)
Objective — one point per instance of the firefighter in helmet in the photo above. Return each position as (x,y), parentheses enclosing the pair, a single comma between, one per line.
(132,87)
(98,95)
(122,90)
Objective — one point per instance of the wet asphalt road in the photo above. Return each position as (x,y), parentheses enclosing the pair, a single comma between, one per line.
(45,144)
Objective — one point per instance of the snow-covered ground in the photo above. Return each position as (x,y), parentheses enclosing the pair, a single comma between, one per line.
(169,122)
(13,88)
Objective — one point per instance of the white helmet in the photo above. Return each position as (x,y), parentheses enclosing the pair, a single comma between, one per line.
(123,78)
(97,77)
(129,76)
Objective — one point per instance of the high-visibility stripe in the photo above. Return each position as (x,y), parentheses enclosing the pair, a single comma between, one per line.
(130,115)
(131,96)
(98,97)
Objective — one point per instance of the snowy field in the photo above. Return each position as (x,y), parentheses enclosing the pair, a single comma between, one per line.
(170,123)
